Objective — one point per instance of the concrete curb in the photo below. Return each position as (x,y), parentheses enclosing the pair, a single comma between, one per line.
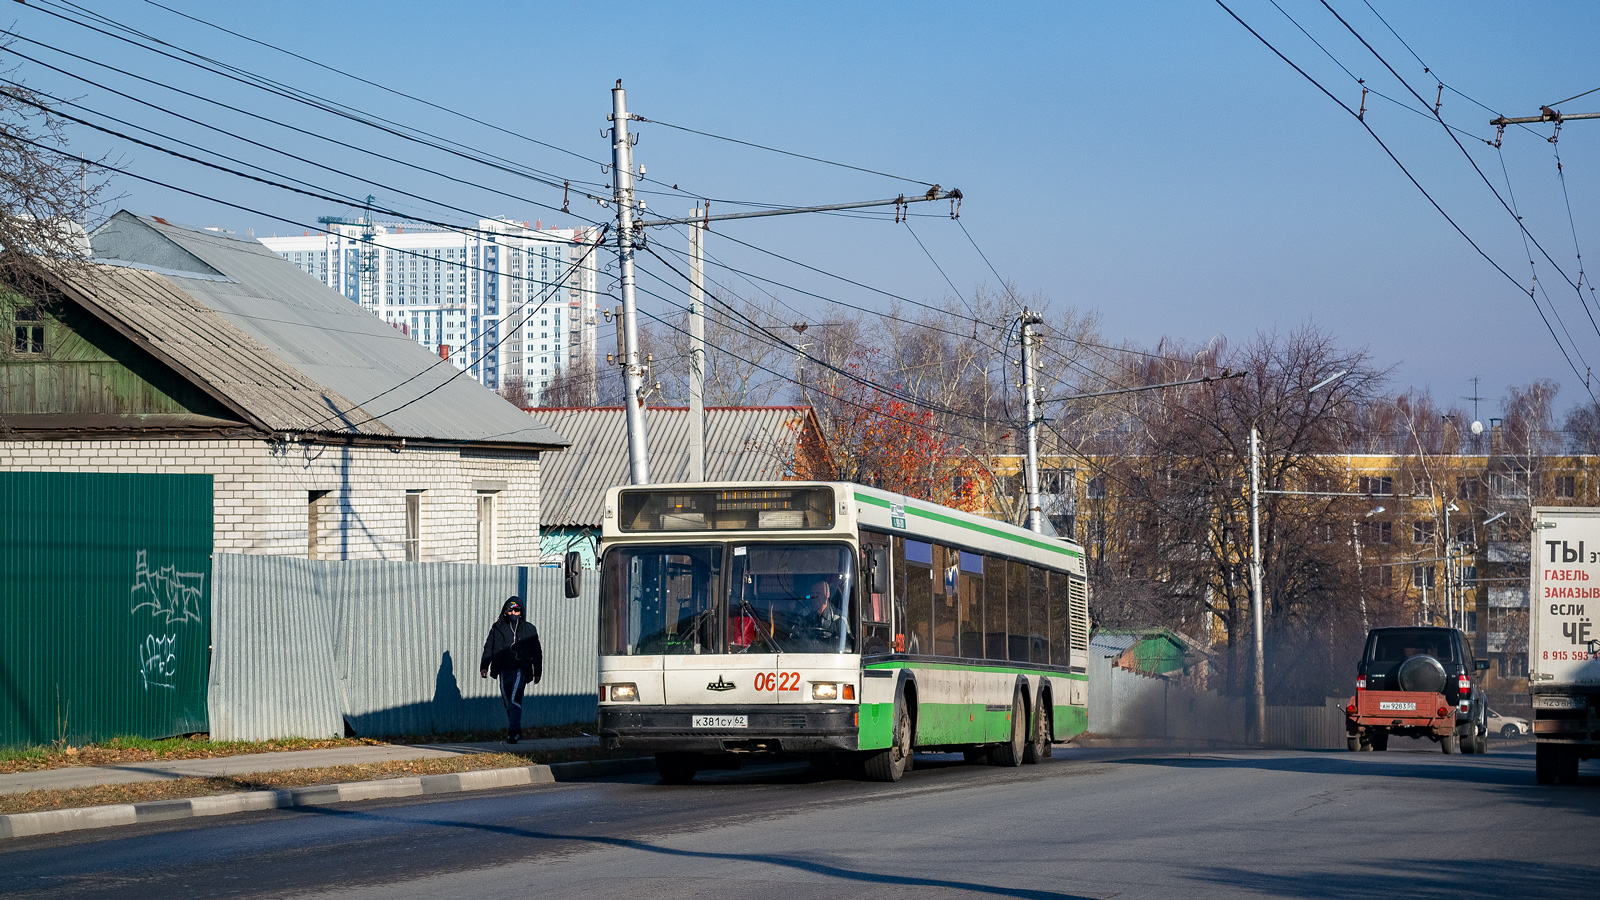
(58,820)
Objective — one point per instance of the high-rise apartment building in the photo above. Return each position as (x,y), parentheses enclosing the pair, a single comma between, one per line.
(505,302)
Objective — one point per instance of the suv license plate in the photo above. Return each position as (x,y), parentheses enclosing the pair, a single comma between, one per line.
(721,722)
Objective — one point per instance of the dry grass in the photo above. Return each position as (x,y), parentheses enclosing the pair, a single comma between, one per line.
(179,788)
(121,750)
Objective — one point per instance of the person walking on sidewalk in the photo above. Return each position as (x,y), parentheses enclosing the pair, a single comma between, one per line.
(512,654)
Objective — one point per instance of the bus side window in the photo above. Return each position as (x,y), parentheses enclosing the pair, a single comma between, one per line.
(898,627)
(1060,617)
(919,597)
(971,605)
(946,583)
(1039,615)
(877,638)
(994,608)
(1017,610)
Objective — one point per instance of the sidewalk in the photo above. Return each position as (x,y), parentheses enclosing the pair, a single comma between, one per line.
(52,821)
(89,776)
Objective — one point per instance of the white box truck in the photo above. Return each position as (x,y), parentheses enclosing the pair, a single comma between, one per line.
(1564,641)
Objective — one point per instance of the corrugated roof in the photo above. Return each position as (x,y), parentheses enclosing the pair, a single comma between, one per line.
(208,348)
(1113,644)
(742,444)
(373,370)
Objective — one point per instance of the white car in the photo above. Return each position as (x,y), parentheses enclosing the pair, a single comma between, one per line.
(1507,726)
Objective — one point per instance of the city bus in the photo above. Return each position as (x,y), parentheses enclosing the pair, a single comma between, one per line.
(807,619)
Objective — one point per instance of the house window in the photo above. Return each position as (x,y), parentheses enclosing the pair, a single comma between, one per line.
(28,333)
(1422,531)
(1566,486)
(1380,532)
(1096,488)
(1472,622)
(1422,486)
(1467,487)
(1514,665)
(487,528)
(1380,576)
(1422,577)
(1377,485)
(413,526)
(317,509)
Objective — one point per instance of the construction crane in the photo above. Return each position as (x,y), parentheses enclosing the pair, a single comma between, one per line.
(366,255)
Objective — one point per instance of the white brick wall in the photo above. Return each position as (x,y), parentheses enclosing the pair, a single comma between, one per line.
(261,492)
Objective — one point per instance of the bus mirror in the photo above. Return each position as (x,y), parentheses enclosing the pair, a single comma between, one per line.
(878,578)
(572,570)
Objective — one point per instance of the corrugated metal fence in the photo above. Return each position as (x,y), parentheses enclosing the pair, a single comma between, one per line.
(305,647)
(104,587)
(1123,703)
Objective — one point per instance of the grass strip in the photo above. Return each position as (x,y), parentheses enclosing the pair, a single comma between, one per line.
(134,749)
(180,788)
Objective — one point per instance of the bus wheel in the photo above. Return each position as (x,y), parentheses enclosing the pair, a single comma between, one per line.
(1039,745)
(890,763)
(675,768)
(1010,753)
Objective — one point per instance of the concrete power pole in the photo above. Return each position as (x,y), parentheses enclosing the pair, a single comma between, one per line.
(697,353)
(1256,612)
(632,370)
(1035,515)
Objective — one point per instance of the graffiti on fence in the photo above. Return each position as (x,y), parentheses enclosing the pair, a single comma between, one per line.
(170,595)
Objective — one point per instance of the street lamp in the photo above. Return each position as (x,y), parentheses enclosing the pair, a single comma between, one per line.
(1255,565)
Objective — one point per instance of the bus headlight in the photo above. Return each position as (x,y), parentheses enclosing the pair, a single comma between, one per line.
(824,690)
(624,692)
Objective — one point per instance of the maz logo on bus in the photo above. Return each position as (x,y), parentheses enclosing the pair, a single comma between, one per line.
(778,681)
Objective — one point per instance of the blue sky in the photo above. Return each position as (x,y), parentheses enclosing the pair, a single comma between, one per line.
(1153,163)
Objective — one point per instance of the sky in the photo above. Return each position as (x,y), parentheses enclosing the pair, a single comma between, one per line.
(1154,164)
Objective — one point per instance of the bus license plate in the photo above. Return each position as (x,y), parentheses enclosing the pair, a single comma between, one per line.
(721,722)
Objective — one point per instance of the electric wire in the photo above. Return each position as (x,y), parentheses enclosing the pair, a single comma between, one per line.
(267,119)
(1418,185)
(268,85)
(1473,162)
(784,152)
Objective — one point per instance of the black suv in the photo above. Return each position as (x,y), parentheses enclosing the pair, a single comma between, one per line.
(1419,662)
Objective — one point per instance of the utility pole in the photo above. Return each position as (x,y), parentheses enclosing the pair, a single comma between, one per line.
(632,370)
(629,227)
(1255,586)
(697,353)
(1035,514)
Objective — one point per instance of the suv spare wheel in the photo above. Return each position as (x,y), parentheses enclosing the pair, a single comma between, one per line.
(1421,673)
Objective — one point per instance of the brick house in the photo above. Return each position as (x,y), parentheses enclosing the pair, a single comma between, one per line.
(327,433)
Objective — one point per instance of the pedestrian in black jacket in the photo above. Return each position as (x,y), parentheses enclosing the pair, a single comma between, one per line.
(512,654)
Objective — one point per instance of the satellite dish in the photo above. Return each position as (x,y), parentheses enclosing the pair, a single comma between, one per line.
(1477,427)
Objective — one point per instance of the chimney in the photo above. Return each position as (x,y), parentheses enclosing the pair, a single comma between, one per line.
(444,351)
(1497,441)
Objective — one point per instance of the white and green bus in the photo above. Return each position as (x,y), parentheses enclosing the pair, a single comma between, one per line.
(799,618)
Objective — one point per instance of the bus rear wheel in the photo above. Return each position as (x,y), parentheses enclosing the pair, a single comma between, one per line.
(1010,753)
(890,763)
(1039,744)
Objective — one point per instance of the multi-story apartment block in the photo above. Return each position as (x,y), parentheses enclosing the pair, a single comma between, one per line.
(507,302)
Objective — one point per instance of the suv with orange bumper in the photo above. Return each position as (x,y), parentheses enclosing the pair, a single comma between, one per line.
(1417,682)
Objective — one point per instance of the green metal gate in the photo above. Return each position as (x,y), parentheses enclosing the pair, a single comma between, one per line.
(106,596)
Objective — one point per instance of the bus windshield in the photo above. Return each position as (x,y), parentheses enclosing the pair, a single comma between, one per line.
(717,598)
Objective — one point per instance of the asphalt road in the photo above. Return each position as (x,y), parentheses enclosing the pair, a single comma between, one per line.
(1409,823)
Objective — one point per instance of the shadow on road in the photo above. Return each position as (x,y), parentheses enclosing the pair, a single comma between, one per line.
(812,866)
(1511,776)
(1413,879)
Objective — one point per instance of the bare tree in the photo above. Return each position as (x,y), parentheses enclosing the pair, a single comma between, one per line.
(515,391)
(573,386)
(42,188)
